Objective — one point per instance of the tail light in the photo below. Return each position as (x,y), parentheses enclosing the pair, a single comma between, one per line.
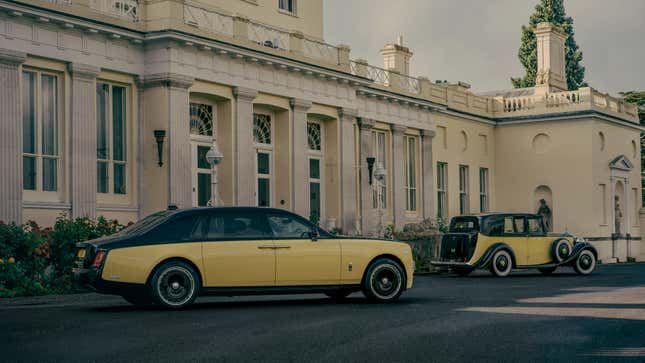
(98,259)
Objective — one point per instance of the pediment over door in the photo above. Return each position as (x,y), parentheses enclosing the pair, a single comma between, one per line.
(621,163)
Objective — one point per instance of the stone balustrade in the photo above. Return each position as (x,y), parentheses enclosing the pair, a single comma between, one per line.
(385,77)
(128,10)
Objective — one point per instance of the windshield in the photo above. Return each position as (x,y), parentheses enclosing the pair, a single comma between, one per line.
(464,225)
(144,224)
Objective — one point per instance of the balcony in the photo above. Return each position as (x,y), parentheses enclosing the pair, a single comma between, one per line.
(128,10)
(385,77)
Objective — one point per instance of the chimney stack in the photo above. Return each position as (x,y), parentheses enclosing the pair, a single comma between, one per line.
(551,73)
(396,57)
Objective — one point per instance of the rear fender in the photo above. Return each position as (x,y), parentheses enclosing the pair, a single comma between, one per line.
(486,259)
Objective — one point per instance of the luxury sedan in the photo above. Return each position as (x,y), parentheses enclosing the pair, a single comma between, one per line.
(171,257)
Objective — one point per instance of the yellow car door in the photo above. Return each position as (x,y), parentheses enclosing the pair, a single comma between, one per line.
(238,250)
(538,241)
(516,237)
(303,258)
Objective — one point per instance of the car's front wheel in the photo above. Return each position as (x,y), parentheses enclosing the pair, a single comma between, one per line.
(502,263)
(585,263)
(174,285)
(384,280)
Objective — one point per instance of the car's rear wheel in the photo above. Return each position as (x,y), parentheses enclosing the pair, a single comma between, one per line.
(462,271)
(547,270)
(138,300)
(585,263)
(174,285)
(502,263)
(338,294)
(384,280)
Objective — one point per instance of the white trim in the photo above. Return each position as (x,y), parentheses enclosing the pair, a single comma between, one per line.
(116,208)
(46,205)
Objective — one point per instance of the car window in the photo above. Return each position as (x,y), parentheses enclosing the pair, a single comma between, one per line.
(535,226)
(519,224)
(286,226)
(237,226)
(463,224)
(182,228)
(508,225)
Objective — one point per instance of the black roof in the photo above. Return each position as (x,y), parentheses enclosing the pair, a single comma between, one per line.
(248,209)
(498,214)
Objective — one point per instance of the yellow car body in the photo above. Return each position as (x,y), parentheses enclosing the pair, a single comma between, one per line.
(238,263)
(516,241)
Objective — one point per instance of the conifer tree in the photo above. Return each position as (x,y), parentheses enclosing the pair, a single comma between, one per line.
(550,11)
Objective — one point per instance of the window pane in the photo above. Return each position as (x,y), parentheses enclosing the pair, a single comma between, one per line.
(381,149)
(519,225)
(119,179)
(176,229)
(28,112)
(263,163)
(233,225)
(29,173)
(286,226)
(263,193)
(412,163)
(314,199)
(203,189)
(508,225)
(313,136)
(314,168)
(201,119)
(535,226)
(216,227)
(50,175)
(102,145)
(49,115)
(202,163)
(261,128)
(412,206)
(102,177)
(118,125)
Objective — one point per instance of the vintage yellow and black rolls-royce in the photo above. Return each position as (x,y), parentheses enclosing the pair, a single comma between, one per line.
(501,242)
(171,257)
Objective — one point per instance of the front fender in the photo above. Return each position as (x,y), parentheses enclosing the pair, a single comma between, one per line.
(577,248)
(487,257)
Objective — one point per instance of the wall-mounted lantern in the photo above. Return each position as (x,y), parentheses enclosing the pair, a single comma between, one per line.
(370,167)
(159,136)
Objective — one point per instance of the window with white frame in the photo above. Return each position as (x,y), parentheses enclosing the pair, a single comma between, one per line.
(483,190)
(464,208)
(111,138)
(287,5)
(41,166)
(262,138)
(314,137)
(442,190)
(201,119)
(379,145)
(410,173)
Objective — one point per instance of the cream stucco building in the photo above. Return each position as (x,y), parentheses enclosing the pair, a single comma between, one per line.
(107,107)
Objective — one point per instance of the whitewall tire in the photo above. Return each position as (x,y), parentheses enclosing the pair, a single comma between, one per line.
(502,263)
(585,263)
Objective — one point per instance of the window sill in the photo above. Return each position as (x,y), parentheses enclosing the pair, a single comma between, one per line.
(287,12)
(46,205)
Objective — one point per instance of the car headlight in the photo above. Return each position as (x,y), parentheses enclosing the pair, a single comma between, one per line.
(578,240)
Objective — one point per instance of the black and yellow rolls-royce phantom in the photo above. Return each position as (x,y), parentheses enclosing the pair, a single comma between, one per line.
(171,257)
(501,242)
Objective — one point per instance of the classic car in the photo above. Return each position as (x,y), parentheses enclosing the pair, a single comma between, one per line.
(171,257)
(502,242)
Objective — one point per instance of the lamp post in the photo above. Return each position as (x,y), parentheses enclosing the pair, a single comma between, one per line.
(379,174)
(214,157)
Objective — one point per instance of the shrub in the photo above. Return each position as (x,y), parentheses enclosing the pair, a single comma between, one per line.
(35,261)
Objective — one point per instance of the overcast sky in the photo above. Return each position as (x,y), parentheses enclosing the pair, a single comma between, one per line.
(476,41)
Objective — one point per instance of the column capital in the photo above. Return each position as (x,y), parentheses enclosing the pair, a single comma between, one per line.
(366,123)
(245,94)
(347,113)
(428,133)
(398,130)
(173,80)
(299,104)
(83,71)
(12,57)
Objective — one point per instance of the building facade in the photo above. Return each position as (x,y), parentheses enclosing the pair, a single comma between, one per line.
(108,107)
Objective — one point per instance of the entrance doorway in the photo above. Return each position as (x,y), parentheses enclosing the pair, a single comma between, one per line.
(202,132)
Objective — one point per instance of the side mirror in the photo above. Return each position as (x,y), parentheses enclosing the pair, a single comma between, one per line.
(313,235)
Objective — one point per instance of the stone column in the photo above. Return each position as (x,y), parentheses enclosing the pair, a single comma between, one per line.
(244,156)
(300,167)
(83,139)
(10,136)
(366,150)
(427,170)
(177,141)
(348,170)
(398,175)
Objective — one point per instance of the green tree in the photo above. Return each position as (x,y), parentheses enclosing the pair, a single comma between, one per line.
(637,97)
(550,11)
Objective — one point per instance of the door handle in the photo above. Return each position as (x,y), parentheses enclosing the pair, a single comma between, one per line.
(266,247)
(281,247)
